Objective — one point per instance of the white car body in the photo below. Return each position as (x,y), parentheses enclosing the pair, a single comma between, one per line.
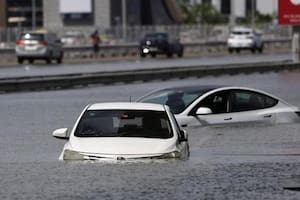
(244,38)
(197,113)
(123,147)
(38,45)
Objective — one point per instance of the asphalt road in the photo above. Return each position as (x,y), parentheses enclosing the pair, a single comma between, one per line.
(147,63)
(236,162)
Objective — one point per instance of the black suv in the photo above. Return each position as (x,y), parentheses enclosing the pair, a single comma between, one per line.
(159,43)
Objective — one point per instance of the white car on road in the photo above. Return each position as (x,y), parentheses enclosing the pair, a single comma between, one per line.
(211,105)
(245,38)
(121,131)
(33,46)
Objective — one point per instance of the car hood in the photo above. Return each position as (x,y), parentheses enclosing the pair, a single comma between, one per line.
(122,147)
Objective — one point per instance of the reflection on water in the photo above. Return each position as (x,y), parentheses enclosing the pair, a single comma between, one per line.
(255,142)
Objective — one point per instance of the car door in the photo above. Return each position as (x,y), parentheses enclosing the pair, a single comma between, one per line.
(233,106)
(217,103)
(251,106)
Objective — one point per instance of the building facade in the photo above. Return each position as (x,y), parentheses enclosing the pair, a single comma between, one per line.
(106,13)
(239,8)
(20,13)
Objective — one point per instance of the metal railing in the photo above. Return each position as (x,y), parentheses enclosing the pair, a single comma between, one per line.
(116,35)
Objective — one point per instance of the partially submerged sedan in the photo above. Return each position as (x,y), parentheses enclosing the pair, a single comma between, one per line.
(124,131)
(209,105)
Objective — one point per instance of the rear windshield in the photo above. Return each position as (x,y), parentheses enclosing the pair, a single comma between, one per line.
(241,32)
(124,123)
(156,36)
(31,36)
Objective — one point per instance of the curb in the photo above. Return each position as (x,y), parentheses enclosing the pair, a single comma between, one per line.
(54,82)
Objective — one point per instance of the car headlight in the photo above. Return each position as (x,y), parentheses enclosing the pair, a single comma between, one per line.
(174,154)
(145,50)
(72,155)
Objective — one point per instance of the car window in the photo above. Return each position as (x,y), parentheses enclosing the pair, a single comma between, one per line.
(247,100)
(31,36)
(124,123)
(217,102)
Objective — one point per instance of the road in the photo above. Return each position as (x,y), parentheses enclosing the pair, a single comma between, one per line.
(237,162)
(148,63)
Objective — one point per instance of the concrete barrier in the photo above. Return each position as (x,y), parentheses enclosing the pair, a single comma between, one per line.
(53,82)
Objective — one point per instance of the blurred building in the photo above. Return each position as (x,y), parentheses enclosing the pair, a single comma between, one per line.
(106,13)
(19,13)
(239,8)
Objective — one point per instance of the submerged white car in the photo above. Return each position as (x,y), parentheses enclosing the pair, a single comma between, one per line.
(124,131)
(210,105)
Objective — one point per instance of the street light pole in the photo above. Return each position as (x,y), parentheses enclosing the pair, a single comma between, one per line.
(253,9)
(124,19)
(232,14)
(33,23)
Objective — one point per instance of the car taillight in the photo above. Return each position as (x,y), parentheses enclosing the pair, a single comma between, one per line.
(42,42)
(20,42)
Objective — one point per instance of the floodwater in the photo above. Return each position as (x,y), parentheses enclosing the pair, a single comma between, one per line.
(231,162)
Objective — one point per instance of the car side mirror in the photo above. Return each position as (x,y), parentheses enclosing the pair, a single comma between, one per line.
(203,111)
(61,133)
(183,136)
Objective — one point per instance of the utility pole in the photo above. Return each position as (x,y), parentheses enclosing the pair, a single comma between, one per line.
(33,23)
(124,19)
(253,9)
(232,14)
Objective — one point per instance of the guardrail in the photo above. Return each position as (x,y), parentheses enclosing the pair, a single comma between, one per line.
(123,50)
(54,82)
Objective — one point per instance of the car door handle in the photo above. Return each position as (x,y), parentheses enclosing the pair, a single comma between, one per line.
(267,116)
(227,119)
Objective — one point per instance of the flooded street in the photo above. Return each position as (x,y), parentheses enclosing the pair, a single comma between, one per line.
(245,161)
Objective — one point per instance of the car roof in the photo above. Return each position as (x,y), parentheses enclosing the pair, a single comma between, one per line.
(156,34)
(205,88)
(242,29)
(192,87)
(126,106)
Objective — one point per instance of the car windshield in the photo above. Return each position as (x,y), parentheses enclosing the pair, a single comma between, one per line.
(177,98)
(124,123)
(31,36)
(156,36)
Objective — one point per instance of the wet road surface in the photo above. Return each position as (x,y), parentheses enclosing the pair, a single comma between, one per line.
(54,69)
(232,162)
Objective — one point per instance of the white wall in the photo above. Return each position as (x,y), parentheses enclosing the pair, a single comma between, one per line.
(267,6)
(239,8)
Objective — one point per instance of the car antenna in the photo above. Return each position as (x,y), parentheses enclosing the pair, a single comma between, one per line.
(129,98)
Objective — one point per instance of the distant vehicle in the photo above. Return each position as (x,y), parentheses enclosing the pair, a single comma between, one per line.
(211,105)
(124,131)
(38,45)
(72,38)
(160,43)
(245,38)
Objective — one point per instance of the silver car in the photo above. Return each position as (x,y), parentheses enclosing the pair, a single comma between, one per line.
(38,45)
(245,38)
